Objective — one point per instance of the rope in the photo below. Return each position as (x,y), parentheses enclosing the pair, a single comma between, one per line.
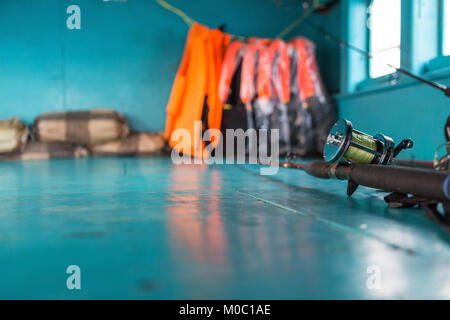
(316,5)
(188,20)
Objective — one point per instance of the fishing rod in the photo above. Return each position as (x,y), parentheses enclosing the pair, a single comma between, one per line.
(362,159)
(408,186)
(445,89)
(428,184)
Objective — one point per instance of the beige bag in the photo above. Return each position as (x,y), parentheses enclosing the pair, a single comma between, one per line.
(46,150)
(81,127)
(135,144)
(13,134)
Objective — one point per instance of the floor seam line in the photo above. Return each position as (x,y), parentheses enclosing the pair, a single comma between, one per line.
(331,223)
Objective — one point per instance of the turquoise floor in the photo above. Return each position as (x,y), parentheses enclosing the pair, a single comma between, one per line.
(144,228)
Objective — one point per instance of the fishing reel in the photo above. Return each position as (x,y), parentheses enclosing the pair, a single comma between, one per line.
(442,160)
(343,143)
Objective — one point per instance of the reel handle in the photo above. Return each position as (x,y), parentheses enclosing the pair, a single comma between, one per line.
(405,144)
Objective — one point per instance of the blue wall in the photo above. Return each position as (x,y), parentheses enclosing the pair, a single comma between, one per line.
(124,57)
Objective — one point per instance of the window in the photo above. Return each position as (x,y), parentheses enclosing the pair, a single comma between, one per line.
(446,30)
(384,33)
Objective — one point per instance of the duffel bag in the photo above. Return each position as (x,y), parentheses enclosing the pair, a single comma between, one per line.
(134,144)
(34,150)
(81,127)
(13,135)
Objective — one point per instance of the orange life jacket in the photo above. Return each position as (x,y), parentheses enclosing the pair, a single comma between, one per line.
(278,54)
(307,68)
(230,63)
(264,74)
(249,63)
(197,77)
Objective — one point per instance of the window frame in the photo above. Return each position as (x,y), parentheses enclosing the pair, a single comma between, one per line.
(421,55)
(441,28)
(387,76)
(440,63)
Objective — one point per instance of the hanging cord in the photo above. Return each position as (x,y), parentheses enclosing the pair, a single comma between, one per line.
(316,5)
(342,43)
(188,20)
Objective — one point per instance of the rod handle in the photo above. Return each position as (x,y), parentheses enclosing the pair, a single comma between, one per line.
(425,183)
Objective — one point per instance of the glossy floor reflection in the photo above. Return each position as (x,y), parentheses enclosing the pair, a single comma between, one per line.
(144,228)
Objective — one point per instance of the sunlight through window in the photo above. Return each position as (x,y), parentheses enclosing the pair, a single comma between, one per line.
(446,33)
(385,26)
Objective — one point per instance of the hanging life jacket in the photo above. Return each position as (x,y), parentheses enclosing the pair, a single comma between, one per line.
(263,106)
(280,82)
(234,112)
(194,95)
(310,110)
(248,87)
